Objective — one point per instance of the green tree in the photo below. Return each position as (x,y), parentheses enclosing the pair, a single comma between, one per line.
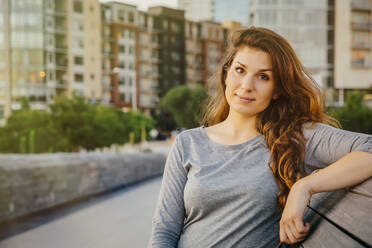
(355,115)
(30,131)
(71,124)
(107,128)
(73,118)
(185,104)
(136,122)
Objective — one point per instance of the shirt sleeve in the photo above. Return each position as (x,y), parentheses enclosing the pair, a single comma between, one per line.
(326,144)
(169,214)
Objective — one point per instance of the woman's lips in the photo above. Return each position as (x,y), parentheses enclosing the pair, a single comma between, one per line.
(246,99)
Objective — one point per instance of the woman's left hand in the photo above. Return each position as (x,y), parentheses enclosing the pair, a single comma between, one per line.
(292,227)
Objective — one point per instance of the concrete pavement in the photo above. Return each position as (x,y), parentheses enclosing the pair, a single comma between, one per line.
(119,219)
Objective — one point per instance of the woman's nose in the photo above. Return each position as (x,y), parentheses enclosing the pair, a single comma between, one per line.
(247,83)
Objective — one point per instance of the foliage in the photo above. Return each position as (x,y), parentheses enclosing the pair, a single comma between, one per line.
(355,115)
(30,130)
(184,103)
(70,125)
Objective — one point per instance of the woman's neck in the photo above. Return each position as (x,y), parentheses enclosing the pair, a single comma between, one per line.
(240,127)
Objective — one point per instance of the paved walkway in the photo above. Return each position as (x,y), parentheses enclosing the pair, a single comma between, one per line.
(119,219)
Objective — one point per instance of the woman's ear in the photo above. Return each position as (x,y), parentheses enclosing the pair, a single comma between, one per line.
(275,96)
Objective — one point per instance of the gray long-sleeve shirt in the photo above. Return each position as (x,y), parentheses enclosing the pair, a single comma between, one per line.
(215,195)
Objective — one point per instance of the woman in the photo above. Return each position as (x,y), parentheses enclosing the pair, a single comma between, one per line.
(244,178)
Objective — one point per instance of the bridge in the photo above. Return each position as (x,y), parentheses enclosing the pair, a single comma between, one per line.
(120,218)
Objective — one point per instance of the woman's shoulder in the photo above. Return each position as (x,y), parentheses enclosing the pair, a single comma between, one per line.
(189,135)
(321,131)
(310,128)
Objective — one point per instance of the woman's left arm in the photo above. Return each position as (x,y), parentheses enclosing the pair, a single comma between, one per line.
(346,153)
(357,165)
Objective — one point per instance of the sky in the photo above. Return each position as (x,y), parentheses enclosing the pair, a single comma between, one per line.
(144,4)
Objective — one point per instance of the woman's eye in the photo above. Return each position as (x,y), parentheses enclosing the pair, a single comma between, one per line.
(264,77)
(239,70)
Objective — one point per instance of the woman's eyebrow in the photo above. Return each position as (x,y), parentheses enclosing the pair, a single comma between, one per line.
(260,70)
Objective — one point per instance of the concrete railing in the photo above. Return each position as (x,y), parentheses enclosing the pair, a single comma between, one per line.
(30,183)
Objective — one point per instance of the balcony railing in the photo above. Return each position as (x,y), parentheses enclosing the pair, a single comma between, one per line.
(362,45)
(361,25)
(362,63)
(61,84)
(361,5)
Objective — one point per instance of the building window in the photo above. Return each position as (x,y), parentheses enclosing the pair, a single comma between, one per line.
(153,53)
(49,76)
(80,26)
(122,81)
(175,27)
(153,38)
(50,57)
(165,25)
(131,17)
(78,60)
(122,97)
(50,40)
(79,78)
(122,49)
(79,43)
(130,81)
(78,6)
(130,50)
(91,8)
(92,76)
(121,15)
(122,64)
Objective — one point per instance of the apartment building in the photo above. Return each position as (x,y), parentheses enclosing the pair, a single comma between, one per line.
(212,38)
(194,53)
(197,10)
(148,63)
(4,62)
(235,10)
(216,10)
(110,53)
(353,46)
(83,31)
(171,51)
(51,48)
(309,27)
(120,54)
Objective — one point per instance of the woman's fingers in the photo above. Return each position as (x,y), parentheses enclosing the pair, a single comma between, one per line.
(294,233)
(301,227)
(290,235)
(282,234)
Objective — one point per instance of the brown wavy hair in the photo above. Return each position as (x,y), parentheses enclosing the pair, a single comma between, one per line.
(300,101)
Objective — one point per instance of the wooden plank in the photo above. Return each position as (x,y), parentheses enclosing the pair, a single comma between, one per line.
(325,235)
(364,188)
(348,209)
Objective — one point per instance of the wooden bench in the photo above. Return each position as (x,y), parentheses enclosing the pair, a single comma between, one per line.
(340,218)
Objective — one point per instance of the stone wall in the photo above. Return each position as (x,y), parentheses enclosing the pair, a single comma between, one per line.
(30,183)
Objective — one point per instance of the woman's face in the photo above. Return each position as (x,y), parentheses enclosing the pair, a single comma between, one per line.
(249,82)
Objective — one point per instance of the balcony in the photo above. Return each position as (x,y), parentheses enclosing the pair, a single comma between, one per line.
(61,84)
(106,86)
(361,26)
(56,12)
(361,63)
(60,30)
(365,45)
(363,5)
